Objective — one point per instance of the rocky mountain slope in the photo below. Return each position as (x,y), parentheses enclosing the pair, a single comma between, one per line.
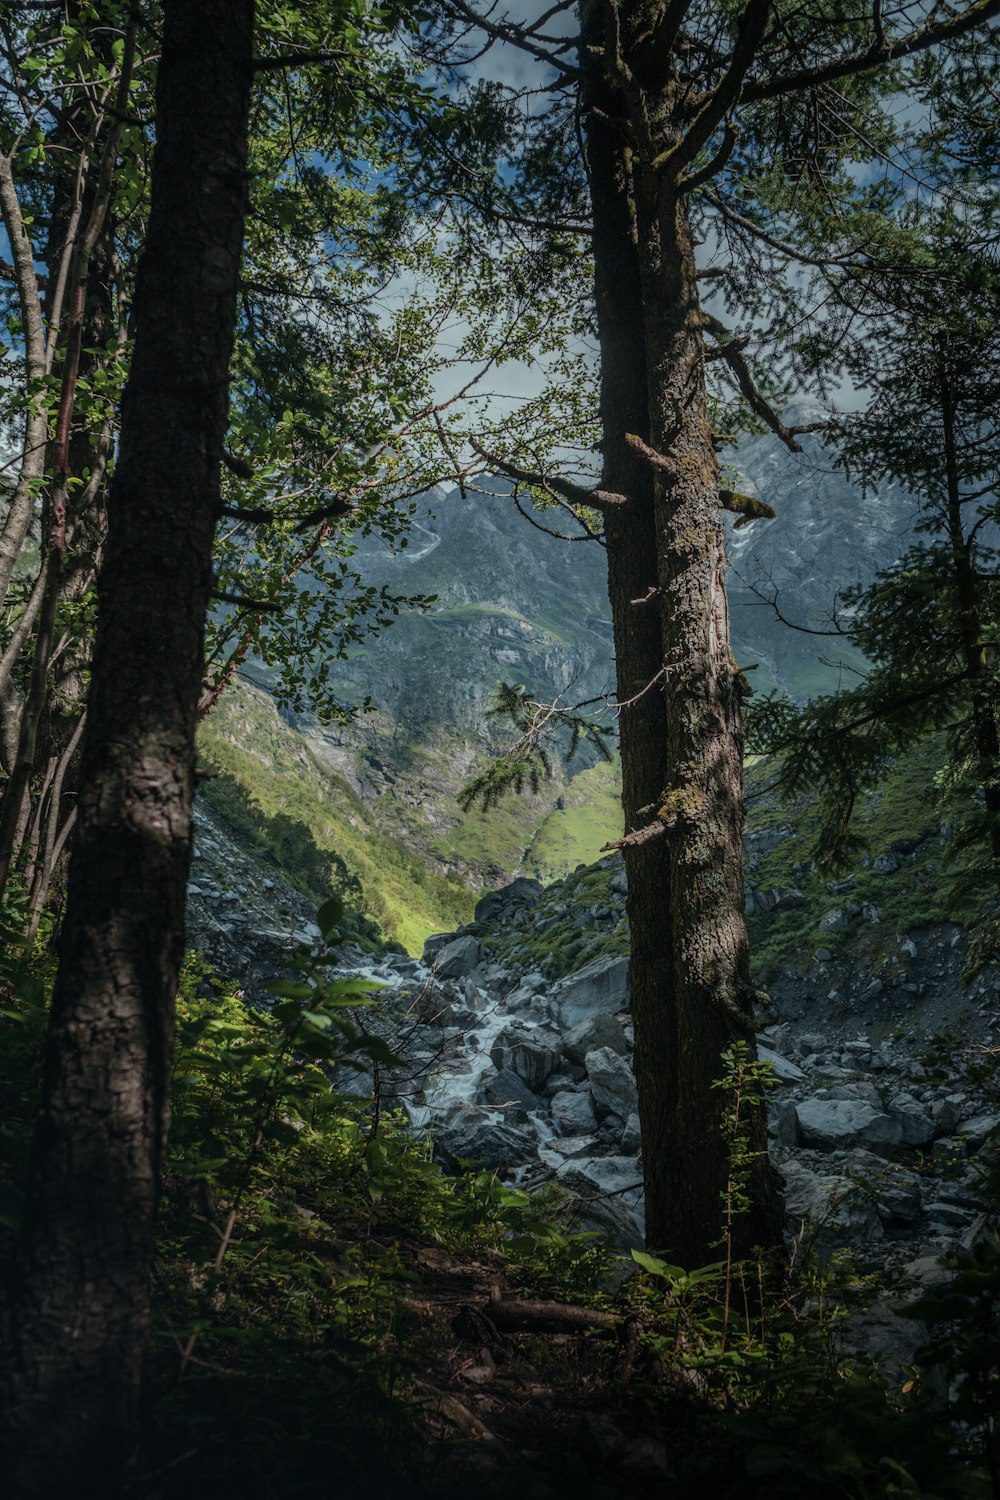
(515,603)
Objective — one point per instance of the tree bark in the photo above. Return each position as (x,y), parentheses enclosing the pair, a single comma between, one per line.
(971,626)
(682,746)
(81,1307)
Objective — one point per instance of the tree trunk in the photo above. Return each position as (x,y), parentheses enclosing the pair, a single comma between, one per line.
(81,1307)
(681,742)
(982,704)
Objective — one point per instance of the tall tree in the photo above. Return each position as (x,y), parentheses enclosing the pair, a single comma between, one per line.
(736,122)
(80,1310)
(926,347)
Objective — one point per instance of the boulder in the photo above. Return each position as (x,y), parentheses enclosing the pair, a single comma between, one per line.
(532,1052)
(612,1083)
(885,864)
(611,1190)
(458,958)
(520,892)
(504,1089)
(838,1213)
(473,1135)
(596,1031)
(599,987)
(784,1070)
(979,1127)
(631,1138)
(786,898)
(783,1123)
(835,1124)
(919,1126)
(573,1113)
(435,943)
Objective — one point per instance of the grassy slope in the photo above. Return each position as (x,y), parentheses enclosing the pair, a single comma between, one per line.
(905,807)
(246,737)
(380,840)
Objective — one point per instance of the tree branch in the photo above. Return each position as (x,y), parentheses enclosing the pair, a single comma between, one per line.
(918,40)
(753,23)
(565,489)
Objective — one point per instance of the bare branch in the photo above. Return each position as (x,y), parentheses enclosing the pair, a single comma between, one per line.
(565,489)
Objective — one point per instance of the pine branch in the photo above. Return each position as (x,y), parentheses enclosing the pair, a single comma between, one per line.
(920,39)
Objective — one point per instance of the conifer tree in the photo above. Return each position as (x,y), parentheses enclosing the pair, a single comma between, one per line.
(926,349)
(745,124)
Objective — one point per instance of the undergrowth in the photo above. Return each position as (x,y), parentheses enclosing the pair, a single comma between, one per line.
(284,1358)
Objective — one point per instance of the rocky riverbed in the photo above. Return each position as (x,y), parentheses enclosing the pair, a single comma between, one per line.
(882,1145)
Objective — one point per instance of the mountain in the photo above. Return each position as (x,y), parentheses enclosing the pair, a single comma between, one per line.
(514,602)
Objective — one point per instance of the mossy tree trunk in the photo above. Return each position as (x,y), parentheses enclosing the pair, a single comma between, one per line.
(80,1311)
(680,724)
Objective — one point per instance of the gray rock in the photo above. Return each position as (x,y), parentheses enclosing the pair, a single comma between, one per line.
(894,1190)
(612,1083)
(532,1052)
(946,1113)
(473,1135)
(785,1071)
(832,1206)
(520,892)
(610,1188)
(979,1127)
(567,1148)
(458,958)
(783,1123)
(835,920)
(597,1031)
(507,1091)
(786,898)
(919,1127)
(573,1113)
(834,1124)
(885,864)
(435,943)
(631,1136)
(600,987)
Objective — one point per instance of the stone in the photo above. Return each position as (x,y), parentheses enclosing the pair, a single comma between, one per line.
(979,1127)
(597,1031)
(473,1135)
(832,1124)
(599,987)
(894,1190)
(573,1113)
(834,1208)
(565,1148)
(612,1083)
(458,958)
(783,1123)
(784,1070)
(520,892)
(885,864)
(919,1127)
(505,1090)
(435,943)
(532,1052)
(786,898)
(631,1136)
(834,921)
(946,1113)
(610,1193)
